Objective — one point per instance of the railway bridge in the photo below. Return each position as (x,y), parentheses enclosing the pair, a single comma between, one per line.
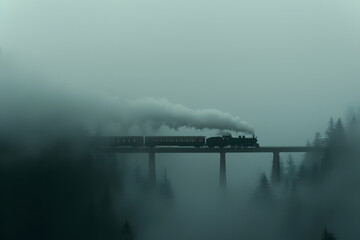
(275,151)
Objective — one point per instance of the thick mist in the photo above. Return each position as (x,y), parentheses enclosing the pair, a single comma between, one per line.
(271,63)
(33,101)
(74,69)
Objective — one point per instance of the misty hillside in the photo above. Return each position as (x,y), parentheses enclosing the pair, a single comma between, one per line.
(179,120)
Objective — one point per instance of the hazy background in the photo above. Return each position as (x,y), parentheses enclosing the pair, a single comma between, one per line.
(285,67)
(282,66)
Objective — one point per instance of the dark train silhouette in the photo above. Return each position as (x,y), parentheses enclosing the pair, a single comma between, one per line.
(182,141)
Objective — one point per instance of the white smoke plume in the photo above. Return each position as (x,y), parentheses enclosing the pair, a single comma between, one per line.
(161,112)
(33,104)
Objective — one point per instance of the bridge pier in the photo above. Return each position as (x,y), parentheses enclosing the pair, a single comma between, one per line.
(222,180)
(152,171)
(275,171)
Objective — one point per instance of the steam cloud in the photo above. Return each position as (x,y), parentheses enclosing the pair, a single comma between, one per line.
(161,112)
(34,104)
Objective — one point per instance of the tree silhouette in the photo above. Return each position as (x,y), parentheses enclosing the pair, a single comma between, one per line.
(339,133)
(327,236)
(290,173)
(302,174)
(353,132)
(263,192)
(140,180)
(165,187)
(127,233)
(60,194)
(318,141)
(330,131)
(353,124)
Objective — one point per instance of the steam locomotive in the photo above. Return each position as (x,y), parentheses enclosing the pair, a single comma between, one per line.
(181,141)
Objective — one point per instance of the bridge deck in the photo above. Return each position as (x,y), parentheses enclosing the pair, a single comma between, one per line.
(210,150)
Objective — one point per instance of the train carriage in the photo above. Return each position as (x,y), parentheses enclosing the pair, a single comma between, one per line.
(180,141)
(194,141)
(123,141)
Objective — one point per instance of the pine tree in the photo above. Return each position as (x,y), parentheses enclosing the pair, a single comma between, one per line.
(339,131)
(353,123)
(307,155)
(290,173)
(315,157)
(330,131)
(302,174)
(291,168)
(327,236)
(352,132)
(263,192)
(127,232)
(317,142)
(139,180)
(165,187)
(335,139)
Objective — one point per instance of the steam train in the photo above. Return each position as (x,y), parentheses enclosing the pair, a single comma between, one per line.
(181,141)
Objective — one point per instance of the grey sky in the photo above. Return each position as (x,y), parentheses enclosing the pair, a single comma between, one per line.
(283,66)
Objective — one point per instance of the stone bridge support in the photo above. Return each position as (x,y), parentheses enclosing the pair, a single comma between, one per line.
(222,180)
(275,171)
(152,171)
